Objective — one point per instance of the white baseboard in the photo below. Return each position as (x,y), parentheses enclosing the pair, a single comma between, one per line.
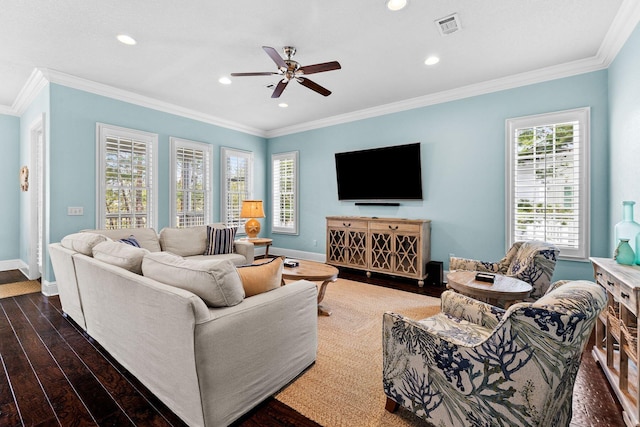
(13,264)
(49,288)
(291,253)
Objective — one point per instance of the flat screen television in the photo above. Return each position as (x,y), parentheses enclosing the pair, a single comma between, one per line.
(386,173)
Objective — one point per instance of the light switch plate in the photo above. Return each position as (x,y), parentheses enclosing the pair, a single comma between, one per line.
(75,211)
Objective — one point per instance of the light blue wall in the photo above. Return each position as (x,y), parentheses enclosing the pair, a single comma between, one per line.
(463,163)
(73,153)
(624,111)
(9,188)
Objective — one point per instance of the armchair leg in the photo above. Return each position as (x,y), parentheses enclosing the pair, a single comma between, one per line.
(391,405)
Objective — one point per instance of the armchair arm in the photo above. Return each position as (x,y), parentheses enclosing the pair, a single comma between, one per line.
(473,265)
(245,249)
(471,310)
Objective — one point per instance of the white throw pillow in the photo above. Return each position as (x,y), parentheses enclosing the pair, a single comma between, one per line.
(82,242)
(215,281)
(120,254)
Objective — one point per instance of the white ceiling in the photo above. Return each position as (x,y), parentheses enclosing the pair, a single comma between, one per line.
(185,46)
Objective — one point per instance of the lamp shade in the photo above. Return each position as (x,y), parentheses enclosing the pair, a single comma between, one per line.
(252,209)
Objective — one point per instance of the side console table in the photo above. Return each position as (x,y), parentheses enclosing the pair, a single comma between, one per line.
(401,247)
(616,340)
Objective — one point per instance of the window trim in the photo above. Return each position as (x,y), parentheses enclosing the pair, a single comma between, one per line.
(226,152)
(294,155)
(175,143)
(151,139)
(582,115)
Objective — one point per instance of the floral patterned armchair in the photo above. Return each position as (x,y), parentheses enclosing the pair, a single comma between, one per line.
(474,364)
(531,261)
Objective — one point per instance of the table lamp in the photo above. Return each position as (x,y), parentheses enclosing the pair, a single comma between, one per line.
(252,209)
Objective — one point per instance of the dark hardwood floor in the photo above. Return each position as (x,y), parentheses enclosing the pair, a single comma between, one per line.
(54,374)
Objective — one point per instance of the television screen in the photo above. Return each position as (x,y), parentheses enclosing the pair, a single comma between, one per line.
(387,173)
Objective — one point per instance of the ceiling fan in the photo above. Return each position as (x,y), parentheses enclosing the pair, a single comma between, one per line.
(291,70)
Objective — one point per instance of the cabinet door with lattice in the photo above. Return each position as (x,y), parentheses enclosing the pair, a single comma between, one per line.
(381,251)
(337,246)
(407,256)
(357,254)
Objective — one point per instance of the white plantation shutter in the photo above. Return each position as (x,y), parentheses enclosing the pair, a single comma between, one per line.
(191,185)
(548,181)
(284,218)
(237,184)
(127,194)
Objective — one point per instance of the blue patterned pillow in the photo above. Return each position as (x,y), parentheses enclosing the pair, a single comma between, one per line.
(220,240)
(131,240)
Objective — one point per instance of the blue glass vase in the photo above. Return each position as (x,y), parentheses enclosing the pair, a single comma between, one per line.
(627,228)
(624,254)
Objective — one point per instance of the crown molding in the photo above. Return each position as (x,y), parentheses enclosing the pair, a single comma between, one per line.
(35,83)
(624,23)
(510,82)
(145,101)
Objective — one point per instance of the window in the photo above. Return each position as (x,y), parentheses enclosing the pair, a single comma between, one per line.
(284,218)
(237,184)
(548,180)
(190,183)
(127,177)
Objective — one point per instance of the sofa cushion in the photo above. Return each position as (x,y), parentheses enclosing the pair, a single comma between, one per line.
(215,281)
(185,241)
(82,242)
(146,237)
(259,278)
(121,255)
(220,240)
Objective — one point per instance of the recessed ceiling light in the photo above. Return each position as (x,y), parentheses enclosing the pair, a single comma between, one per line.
(432,60)
(396,4)
(283,105)
(123,38)
(225,80)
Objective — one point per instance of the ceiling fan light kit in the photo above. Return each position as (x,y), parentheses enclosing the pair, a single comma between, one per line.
(290,69)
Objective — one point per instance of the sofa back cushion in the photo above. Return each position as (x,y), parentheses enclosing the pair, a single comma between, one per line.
(146,237)
(82,242)
(120,254)
(215,281)
(185,241)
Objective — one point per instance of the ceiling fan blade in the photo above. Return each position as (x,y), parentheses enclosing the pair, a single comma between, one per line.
(275,56)
(314,86)
(319,68)
(266,73)
(278,90)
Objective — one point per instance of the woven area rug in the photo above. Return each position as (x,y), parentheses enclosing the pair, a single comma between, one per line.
(344,386)
(19,288)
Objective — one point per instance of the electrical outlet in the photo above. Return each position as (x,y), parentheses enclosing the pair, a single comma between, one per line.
(75,211)
(451,255)
(315,242)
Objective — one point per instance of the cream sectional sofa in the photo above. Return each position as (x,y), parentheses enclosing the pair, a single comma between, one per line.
(186,242)
(210,365)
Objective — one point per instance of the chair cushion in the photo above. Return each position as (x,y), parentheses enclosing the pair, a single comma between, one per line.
(215,281)
(120,254)
(456,330)
(220,240)
(82,242)
(259,278)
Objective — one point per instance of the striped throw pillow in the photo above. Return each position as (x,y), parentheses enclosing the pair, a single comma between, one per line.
(220,240)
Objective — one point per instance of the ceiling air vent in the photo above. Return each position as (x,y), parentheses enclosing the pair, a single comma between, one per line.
(448,24)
